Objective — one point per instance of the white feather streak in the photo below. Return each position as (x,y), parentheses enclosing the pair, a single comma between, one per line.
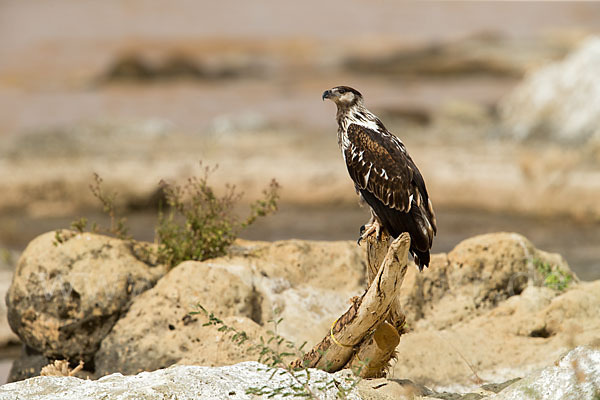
(368,175)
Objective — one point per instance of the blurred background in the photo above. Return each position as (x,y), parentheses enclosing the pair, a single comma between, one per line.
(498,104)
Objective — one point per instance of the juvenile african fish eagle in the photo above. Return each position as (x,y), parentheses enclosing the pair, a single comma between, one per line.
(384,175)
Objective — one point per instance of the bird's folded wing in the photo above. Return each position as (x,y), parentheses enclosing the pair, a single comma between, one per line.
(379,164)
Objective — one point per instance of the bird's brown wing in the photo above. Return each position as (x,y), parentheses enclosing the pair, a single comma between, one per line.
(390,182)
(380,165)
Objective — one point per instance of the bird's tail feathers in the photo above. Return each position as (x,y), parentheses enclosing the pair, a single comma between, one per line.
(422,258)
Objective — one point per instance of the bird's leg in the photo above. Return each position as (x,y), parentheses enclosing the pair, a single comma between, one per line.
(372,226)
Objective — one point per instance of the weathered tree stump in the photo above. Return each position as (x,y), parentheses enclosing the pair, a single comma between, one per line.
(361,337)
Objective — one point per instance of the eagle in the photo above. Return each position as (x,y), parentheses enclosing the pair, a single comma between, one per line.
(384,175)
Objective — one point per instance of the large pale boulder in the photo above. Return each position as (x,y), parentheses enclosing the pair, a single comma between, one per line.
(474,277)
(523,333)
(559,102)
(308,283)
(482,307)
(159,331)
(69,290)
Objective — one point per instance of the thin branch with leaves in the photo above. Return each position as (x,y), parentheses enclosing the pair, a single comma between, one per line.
(118,225)
(273,353)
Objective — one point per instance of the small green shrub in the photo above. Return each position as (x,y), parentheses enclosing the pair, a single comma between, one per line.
(200,224)
(554,277)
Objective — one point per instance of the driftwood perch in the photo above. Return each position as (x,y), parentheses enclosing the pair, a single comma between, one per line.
(377,250)
(367,334)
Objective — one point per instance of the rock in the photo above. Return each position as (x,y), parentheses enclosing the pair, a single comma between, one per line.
(575,376)
(570,314)
(474,277)
(498,387)
(244,289)
(308,282)
(481,311)
(559,102)
(390,389)
(181,382)
(65,297)
(161,315)
(523,333)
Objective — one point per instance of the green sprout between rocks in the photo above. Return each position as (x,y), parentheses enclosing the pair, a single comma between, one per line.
(554,277)
(273,353)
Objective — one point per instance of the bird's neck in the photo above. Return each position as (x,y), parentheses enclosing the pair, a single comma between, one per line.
(354,114)
(346,114)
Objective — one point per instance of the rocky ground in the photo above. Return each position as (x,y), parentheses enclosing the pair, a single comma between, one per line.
(493,309)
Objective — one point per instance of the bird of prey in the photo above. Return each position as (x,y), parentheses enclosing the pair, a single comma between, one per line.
(384,175)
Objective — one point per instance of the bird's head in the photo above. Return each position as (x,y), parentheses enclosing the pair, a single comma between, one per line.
(343,96)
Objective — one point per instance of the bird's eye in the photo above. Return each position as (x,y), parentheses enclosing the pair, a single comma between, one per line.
(341,91)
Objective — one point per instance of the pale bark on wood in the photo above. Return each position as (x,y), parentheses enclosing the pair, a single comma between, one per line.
(379,347)
(374,354)
(376,252)
(359,331)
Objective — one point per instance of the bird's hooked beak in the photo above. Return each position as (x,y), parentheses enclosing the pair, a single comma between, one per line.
(327,94)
